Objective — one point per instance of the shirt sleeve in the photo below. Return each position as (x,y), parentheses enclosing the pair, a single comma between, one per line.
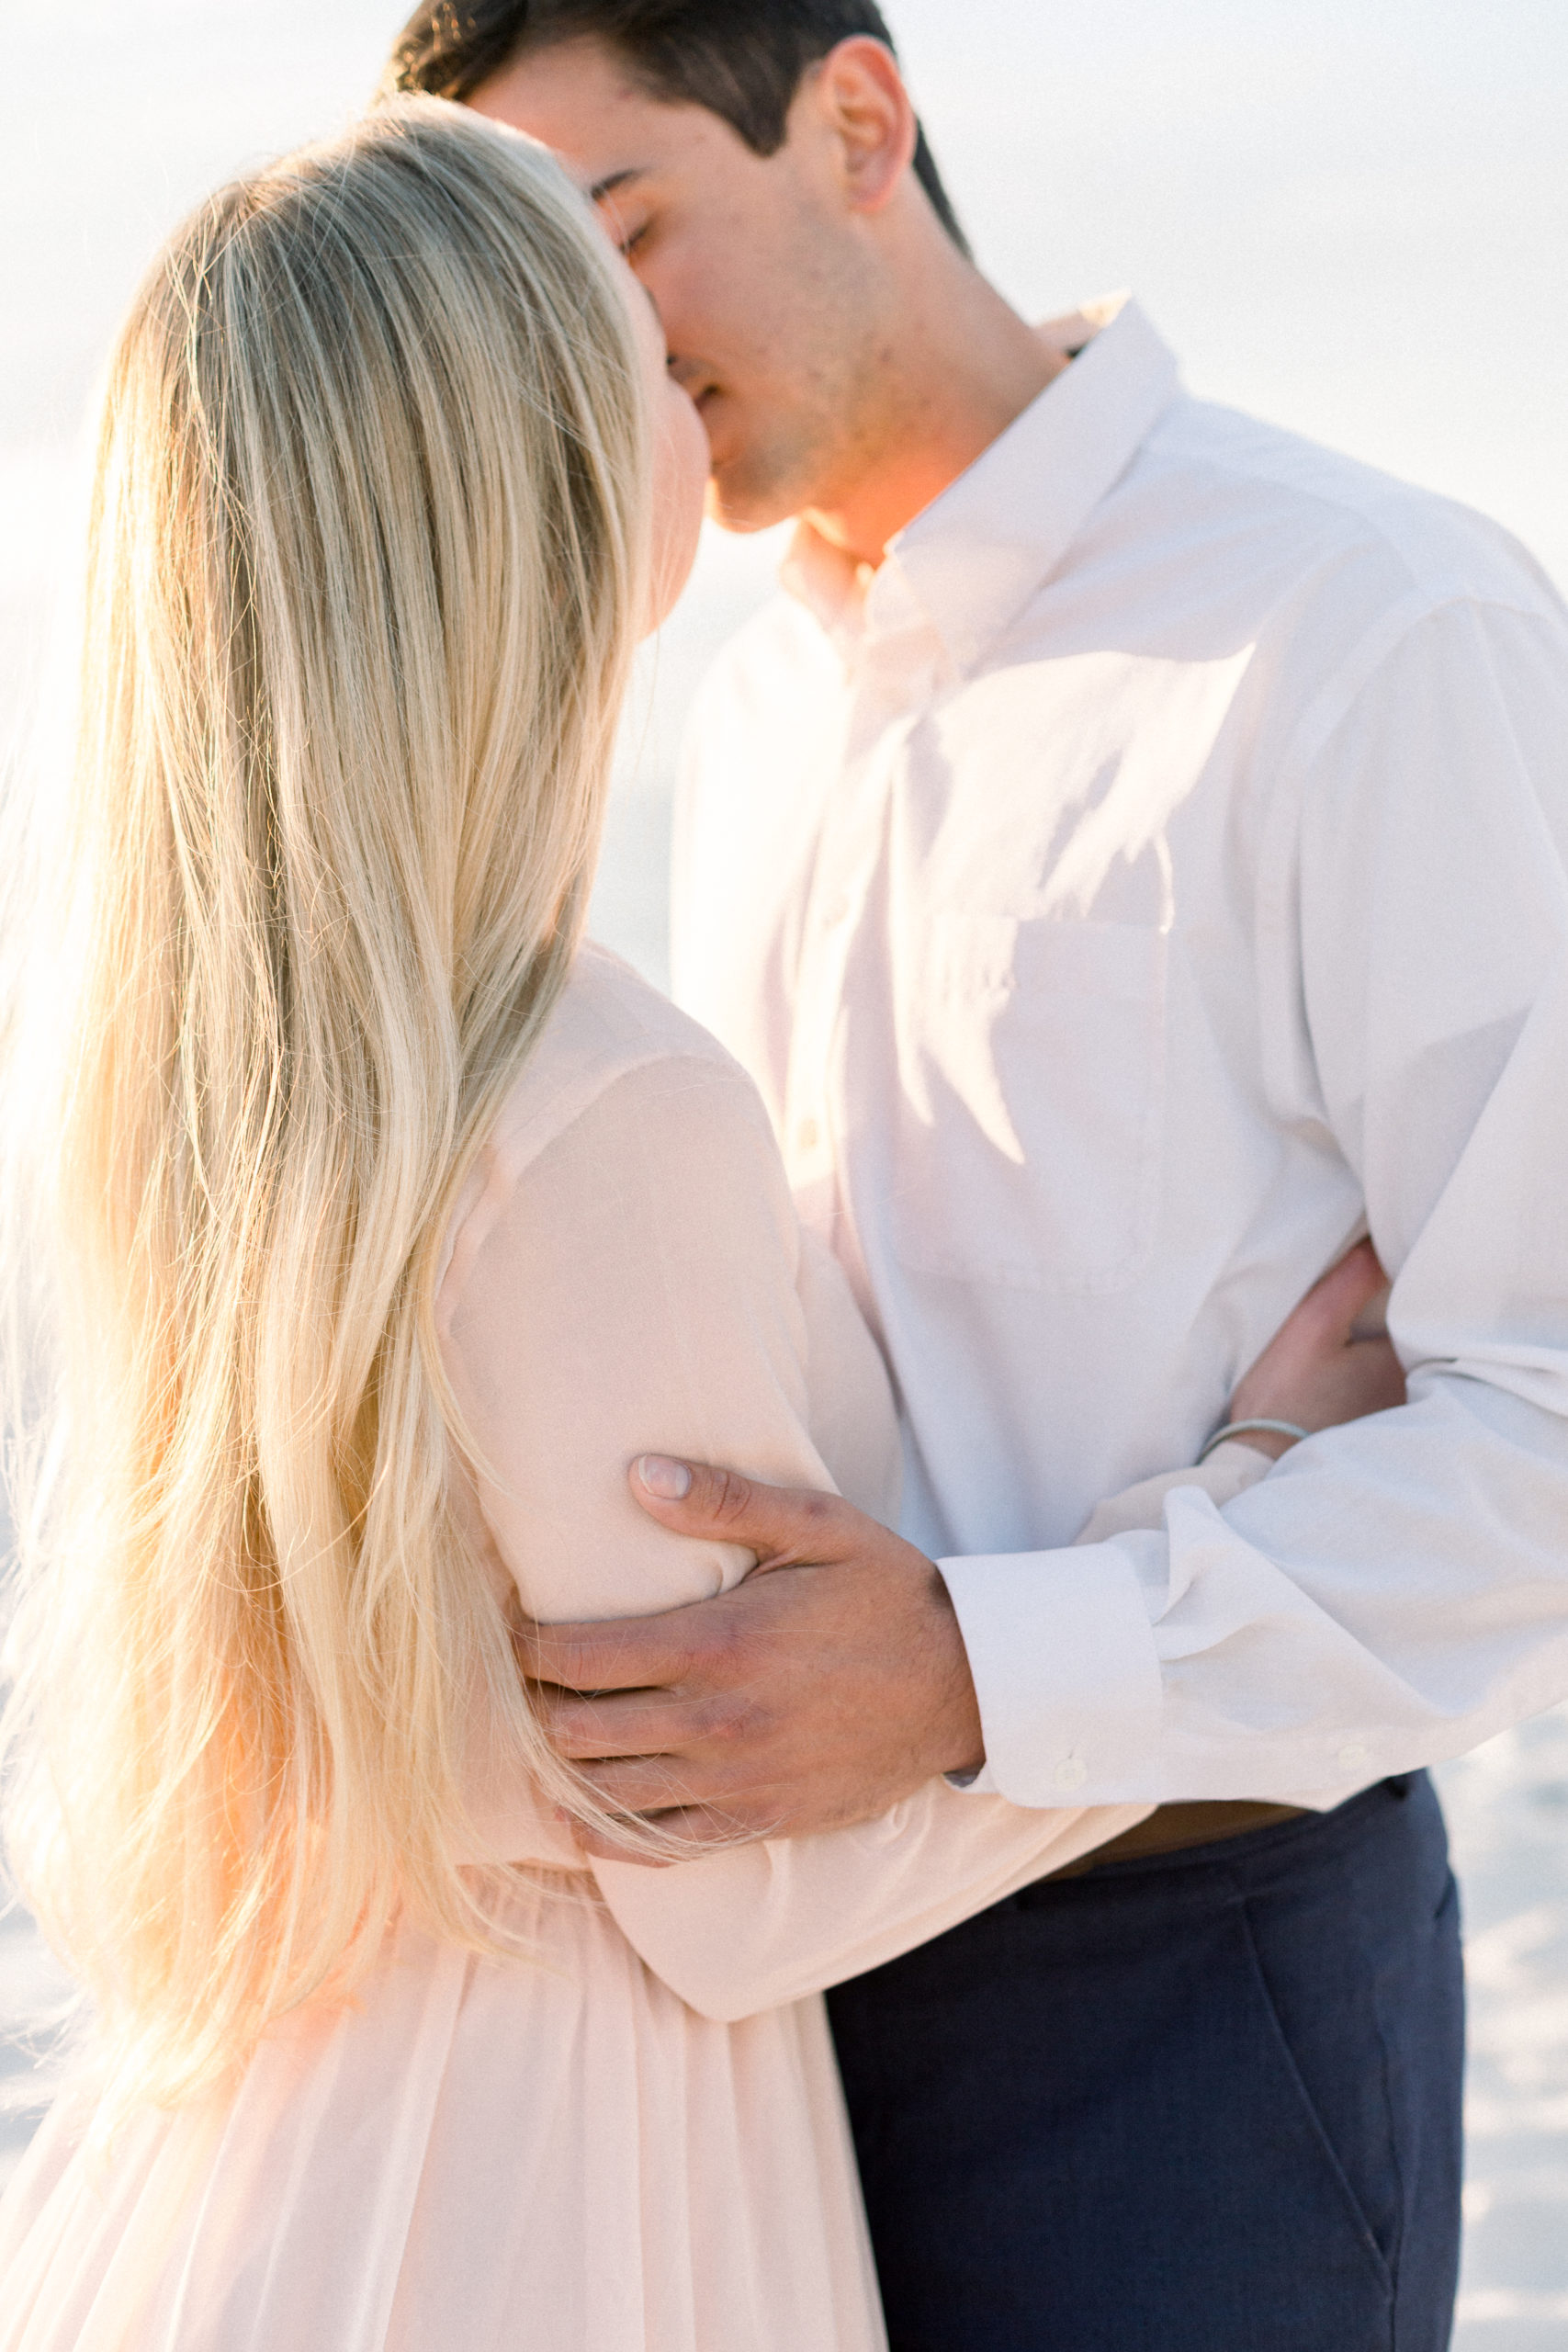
(1395,1590)
(640,1287)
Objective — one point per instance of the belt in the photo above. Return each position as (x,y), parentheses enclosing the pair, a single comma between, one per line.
(1171,1829)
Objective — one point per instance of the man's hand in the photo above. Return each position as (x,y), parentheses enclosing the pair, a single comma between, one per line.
(805,1699)
(828,1685)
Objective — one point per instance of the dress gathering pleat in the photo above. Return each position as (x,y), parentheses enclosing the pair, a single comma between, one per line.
(552,2152)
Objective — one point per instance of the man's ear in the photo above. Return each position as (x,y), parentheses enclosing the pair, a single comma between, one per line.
(859,92)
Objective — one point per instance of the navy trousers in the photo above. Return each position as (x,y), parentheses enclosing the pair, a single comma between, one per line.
(1204,2102)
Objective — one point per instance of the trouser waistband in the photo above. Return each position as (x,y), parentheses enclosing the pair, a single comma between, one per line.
(1171,1829)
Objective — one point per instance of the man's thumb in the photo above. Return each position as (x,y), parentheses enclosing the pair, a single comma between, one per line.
(694,1498)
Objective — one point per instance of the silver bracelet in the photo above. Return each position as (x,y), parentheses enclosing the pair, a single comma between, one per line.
(1236,1429)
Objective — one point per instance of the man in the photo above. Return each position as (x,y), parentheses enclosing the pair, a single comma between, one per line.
(1131,862)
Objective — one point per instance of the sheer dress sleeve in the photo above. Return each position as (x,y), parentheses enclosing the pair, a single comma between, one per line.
(640,1284)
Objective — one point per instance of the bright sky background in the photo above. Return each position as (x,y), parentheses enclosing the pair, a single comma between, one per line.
(1351,216)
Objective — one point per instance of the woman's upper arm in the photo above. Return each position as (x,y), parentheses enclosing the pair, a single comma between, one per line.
(631,1289)
(636,1287)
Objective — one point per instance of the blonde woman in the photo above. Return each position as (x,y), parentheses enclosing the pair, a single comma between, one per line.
(381,1225)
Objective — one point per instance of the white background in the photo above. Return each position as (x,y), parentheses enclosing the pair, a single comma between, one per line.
(1351,218)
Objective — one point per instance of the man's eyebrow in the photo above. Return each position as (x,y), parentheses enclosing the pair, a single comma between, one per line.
(602,188)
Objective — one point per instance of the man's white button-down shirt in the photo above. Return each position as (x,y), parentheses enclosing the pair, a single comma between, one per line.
(1148,879)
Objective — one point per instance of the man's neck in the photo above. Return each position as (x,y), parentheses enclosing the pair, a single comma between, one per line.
(964,368)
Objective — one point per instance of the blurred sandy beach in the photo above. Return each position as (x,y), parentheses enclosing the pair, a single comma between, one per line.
(1353,219)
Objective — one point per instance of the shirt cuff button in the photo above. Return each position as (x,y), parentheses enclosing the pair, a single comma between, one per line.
(1352,1756)
(1070,1773)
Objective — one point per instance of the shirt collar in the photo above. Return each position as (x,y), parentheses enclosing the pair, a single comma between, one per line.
(968,562)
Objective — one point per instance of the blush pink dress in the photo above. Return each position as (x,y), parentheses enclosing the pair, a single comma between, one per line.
(634,2141)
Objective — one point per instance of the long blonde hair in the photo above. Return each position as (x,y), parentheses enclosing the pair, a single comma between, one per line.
(367,559)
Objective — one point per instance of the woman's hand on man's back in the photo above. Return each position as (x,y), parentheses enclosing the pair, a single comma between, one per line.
(1332,1360)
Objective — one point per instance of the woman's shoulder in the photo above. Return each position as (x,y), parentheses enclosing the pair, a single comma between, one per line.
(616,1058)
(609,1012)
(607,1024)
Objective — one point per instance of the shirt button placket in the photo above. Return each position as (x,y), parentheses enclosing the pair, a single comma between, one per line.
(847,847)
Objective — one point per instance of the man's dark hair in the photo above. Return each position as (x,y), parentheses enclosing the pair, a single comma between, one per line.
(743,60)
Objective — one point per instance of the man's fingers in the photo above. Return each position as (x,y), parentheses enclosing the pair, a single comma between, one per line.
(698,1828)
(625,1653)
(782,1526)
(638,1723)
(651,1783)
(643,1784)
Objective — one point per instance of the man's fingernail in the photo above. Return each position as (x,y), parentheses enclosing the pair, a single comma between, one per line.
(670,1481)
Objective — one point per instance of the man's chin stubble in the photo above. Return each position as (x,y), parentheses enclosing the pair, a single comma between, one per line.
(753,491)
(736,505)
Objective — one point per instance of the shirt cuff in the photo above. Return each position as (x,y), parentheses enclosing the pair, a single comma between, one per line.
(1065,1672)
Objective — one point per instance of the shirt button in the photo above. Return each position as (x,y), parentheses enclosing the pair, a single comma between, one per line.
(808,1134)
(1352,1754)
(1071,1773)
(835,910)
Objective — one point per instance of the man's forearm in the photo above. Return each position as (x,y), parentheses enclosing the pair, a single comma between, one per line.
(1393,1593)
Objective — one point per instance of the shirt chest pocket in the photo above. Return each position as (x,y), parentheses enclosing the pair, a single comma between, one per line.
(1032,1064)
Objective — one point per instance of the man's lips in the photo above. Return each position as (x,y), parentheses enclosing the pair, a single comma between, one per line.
(693,378)
(707,400)
(706,395)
